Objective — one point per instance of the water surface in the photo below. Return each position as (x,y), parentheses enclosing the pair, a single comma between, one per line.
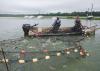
(11,37)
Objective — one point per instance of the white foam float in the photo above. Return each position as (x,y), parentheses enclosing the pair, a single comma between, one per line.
(68,52)
(21,61)
(87,54)
(47,57)
(5,60)
(75,50)
(34,60)
(58,54)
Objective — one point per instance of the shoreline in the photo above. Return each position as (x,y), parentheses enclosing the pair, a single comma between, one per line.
(62,17)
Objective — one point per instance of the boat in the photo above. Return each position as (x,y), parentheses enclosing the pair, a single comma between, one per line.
(45,31)
(63,31)
(90,17)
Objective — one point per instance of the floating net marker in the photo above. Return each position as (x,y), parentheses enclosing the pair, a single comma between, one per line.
(3,60)
(75,50)
(34,60)
(68,52)
(47,57)
(58,54)
(21,61)
(22,54)
(87,54)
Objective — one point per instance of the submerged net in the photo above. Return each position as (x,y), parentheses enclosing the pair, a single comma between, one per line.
(23,51)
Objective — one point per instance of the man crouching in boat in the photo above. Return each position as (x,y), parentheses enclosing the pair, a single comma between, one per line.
(56,25)
(78,26)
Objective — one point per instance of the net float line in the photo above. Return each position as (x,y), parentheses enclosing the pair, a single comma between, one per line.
(82,52)
(46,50)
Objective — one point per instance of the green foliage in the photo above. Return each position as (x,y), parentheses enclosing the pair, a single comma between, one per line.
(94,13)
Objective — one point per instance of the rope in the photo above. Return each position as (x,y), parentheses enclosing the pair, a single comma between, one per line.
(3,53)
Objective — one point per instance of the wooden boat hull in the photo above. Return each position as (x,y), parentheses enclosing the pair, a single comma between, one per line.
(58,34)
(64,31)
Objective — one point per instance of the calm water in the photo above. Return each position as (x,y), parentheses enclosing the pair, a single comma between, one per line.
(10,28)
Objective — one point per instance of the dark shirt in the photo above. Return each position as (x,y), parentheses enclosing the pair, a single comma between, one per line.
(57,23)
(78,26)
(56,26)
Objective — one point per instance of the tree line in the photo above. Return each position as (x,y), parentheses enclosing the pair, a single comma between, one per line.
(94,13)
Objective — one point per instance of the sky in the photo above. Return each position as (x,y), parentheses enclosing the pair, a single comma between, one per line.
(46,6)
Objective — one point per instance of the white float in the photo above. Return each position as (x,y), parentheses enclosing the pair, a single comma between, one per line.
(75,50)
(68,52)
(3,60)
(21,61)
(87,54)
(59,54)
(34,60)
(47,57)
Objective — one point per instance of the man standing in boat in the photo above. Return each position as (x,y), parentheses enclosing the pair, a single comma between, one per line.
(78,26)
(56,25)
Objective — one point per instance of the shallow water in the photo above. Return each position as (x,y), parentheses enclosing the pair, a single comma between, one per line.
(11,36)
